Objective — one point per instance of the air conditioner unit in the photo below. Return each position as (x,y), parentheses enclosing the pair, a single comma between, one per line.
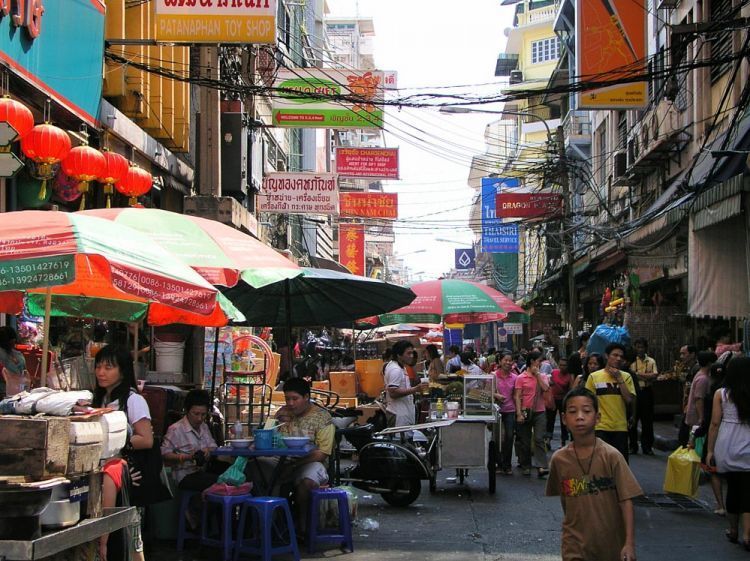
(281,164)
(654,135)
(619,168)
(516,77)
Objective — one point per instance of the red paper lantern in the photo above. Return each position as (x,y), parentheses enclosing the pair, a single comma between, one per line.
(84,164)
(116,168)
(17,115)
(46,145)
(136,182)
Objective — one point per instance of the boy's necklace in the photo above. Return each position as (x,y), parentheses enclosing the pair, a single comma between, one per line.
(591,459)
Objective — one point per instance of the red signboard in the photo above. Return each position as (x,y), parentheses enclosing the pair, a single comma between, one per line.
(527,205)
(371,163)
(352,247)
(369,205)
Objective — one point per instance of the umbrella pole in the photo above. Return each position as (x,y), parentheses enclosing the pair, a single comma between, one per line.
(45,342)
(354,344)
(288,309)
(213,371)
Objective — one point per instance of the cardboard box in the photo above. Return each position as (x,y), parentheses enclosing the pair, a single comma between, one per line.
(35,447)
(343,383)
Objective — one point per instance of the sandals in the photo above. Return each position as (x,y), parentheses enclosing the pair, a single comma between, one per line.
(720,512)
(542,473)
(731,536)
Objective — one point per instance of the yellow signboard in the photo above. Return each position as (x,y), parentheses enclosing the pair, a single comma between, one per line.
(216,21)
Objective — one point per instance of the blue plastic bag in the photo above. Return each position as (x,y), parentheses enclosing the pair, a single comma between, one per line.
(604,335)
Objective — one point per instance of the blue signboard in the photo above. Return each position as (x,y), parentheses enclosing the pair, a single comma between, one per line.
(66,57)
(465,259)
(497,236)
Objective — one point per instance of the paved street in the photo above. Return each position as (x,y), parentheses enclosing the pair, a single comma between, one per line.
(518,523)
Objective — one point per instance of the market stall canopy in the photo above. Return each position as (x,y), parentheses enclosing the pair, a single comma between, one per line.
(452,301)
(317,297)
(219,253)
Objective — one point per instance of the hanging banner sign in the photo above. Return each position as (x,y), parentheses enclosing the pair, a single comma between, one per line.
(367,163)
(497,237)
(610,46)
(512,328)
(312,98)
(465,259)
(299,193)
(352,247)
(369,205)
(216,21)
(528,205)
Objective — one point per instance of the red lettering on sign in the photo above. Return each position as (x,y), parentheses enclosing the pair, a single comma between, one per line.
(24,13)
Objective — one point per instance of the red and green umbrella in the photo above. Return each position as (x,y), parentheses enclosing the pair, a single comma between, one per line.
(219,253)
(452,301)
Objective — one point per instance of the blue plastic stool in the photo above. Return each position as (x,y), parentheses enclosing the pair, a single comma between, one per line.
(227,502)
(261,511)
(342,534)
(182,531)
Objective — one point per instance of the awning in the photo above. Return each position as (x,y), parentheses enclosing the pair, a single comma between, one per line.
(718,212)
(610,261)
(322,263)
(580,265)
(671,214)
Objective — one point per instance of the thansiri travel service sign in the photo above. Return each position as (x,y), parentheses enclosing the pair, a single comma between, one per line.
(216,21)
(312,98)
(299,193)
(497,237)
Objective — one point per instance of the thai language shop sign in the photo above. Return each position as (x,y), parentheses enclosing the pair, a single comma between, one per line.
(497,237)
(57,46)
(369,163)
(326,98)
(370,205)
(528,205)
(611,46)
(352,247)
(299,193)
(216,21)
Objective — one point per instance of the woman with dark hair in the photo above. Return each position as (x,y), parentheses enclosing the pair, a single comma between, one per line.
(434,364)
(729,445)
(531,415)
(116,388)
(593,362)
(13,373)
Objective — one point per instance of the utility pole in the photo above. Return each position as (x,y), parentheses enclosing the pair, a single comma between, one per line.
(209,127)
(565,240)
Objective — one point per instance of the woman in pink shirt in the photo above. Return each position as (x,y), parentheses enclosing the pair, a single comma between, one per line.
(562,379)
(531,415)
(505,383)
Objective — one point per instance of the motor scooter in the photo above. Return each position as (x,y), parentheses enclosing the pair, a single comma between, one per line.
(390,463)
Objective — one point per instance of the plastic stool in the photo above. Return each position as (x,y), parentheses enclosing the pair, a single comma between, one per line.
(227,502)
(342,534)
(182,531)
(262,510)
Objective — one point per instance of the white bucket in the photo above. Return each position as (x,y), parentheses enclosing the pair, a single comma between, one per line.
(169,355)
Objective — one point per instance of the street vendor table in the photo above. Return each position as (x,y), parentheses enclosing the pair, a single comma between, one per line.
(282,453)
(61,540)
(468,444)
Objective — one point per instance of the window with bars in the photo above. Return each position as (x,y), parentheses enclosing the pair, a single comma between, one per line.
(545,50)
(721,43)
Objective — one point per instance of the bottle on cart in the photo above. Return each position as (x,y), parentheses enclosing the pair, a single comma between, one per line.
(440,408)
(237,429)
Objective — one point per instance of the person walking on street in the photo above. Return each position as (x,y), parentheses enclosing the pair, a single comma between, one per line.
(690,367)
(399,397)
(645,370)
(593,362)
(729,445)
(596,488)
(505,381)
(531,416)
(614,390)
(561,383)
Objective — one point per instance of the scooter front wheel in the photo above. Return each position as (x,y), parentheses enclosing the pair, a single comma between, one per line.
(405,492)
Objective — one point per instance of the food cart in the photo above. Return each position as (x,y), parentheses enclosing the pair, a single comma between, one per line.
(469,443)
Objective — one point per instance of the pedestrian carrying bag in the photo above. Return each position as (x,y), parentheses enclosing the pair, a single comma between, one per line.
(683,472)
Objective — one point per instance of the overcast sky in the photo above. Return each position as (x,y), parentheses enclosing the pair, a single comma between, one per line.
(431,44)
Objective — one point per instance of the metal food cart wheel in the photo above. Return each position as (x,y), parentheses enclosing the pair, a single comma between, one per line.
(405,492)
(492,466)
(461,473)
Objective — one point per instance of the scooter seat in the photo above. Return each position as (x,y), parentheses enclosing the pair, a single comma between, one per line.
(355,430)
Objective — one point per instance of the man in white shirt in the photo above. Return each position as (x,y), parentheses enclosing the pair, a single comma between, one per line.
(399,391)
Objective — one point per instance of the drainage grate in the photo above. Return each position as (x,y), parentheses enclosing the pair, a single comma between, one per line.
(662,500)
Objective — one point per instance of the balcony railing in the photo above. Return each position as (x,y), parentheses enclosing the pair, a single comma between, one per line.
(577,127)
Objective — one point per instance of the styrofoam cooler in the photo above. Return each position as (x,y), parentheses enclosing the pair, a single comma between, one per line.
(114,433)
(86,432)
(169,355)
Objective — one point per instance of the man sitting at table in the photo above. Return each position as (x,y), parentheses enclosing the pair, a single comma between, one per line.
(303,418)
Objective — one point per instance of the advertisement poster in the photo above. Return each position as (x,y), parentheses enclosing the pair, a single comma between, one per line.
(249,21)
(352,247)
(369,205)
(317,98)
(611,46)
(497,236)
(299,193)
(528,205)
(367,163)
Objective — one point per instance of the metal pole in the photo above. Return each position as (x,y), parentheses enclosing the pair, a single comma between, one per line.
(213,371)
(565,240)
(288,310)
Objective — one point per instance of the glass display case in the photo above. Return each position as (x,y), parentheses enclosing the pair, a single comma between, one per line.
(479,396)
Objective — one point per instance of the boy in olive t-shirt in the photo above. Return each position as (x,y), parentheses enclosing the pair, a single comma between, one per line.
(595,486)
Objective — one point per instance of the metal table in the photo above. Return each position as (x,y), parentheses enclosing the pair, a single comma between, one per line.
(469,444)
(54,542)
